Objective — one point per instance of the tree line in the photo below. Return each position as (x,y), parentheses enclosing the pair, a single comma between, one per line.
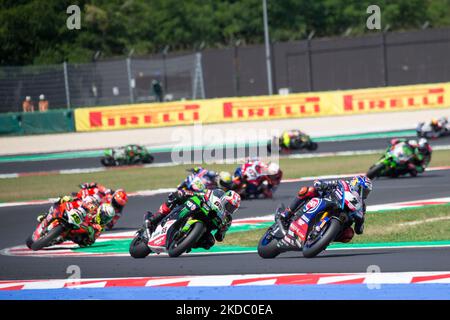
(35,31)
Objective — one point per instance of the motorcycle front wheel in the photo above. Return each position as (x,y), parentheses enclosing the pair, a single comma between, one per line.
(267,246)
(47,239)
(177,247)
(313,248)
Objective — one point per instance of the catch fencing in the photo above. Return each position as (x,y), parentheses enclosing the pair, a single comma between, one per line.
(111,82)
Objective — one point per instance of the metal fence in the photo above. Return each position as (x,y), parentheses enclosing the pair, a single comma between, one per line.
(379,59)
(112,82)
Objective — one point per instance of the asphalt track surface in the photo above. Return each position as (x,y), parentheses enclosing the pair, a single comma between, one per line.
(165,157)
(19,222)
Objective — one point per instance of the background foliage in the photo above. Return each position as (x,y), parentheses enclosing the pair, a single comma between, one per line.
(35,32)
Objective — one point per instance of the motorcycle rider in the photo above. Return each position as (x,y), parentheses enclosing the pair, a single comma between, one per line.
(417,161)
(251,178)
(86,208)
(425,150)
(210,177)
(288,138)
(118,199)
(133,152)
(439,125)
(232,201)
(93,225)
(361,184)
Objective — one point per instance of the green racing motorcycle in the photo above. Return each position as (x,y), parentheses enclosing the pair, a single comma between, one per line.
(183,229)
(393,163)
(128,155)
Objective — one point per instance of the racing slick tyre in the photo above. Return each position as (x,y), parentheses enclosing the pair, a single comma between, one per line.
(375,171)
(46,240)
(267,249)
(326,237)
(312,146)
(178,247)
(29,241)
(138,247)
(148,159)
(107,162)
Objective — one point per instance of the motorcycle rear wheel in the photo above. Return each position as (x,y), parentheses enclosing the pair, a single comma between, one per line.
(312,146)
(48,238)
(330,234)
(177,248)
(29,241)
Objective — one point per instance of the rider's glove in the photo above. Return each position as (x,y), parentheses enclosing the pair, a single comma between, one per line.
(320,185)
(177,195)
(286,214)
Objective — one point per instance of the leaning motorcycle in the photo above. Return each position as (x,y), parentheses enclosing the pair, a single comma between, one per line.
(197,183)
(56,230)
(182,229)
(393,163)
(297,143)
(426,130)
(322,221)
(118,157)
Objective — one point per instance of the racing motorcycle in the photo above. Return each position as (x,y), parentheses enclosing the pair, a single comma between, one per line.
(182,229)
(264,186)
(393,163)
(302,141)
(198,182)
(120,157)
(322,221)
(426,130)
(56,230)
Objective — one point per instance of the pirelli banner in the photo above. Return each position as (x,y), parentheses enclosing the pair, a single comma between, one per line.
(386,99)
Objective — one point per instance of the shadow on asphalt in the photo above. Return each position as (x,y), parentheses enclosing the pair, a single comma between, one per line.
(336,255)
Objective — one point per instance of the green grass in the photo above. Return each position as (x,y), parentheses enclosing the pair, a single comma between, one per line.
(387,226)
(134,179)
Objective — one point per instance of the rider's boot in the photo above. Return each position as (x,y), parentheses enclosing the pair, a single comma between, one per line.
(152,220)
(359,225)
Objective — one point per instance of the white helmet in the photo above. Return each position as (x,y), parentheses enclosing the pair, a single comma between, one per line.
(413,143)
(41,97)
(423,142)
(273,168)
(105,214)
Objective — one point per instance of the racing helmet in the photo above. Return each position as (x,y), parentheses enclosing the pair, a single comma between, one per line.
(424,146)
(413,143)
(362,185)
(105,213)
(225,179)
(90,204)
(119,198)
(434,122)
(231,202)
(273,169)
